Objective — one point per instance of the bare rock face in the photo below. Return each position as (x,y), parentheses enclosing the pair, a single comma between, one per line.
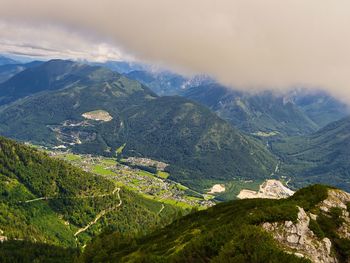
(297,237)
(339,199)
(336,198)
(2,238)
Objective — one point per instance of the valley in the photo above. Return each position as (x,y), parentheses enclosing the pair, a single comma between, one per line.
(46,105)
(154,186)
(47,200)
(152,131)
(321,157)
(109,170)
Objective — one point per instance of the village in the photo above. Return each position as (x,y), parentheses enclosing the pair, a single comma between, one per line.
(128,174)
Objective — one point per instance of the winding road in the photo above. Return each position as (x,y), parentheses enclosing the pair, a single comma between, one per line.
(69,197)
(161,209)
(102,213)
(99,215)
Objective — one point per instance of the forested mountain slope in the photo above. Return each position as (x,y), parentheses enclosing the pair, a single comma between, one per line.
(266,114)
(199,147)
(255,230)
(166,83)
(46,200)
(6,60)
(52,75)
(323,156)
(9,70)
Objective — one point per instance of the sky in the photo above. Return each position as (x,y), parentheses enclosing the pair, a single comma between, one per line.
(45,41)
(248,44)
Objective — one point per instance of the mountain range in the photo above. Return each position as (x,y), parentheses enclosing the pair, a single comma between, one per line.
(46,206)
(295,112)
(46,105)
(147,125)
(166,83)
(4,60)
(7,71)
(321,157)
(267,114)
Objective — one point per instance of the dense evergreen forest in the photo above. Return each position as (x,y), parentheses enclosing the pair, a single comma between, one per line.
(46,200)
(321,157)
(227,232)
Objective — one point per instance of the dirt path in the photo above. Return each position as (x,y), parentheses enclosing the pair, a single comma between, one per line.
(276,169)
(102,213)
(69,197)
(34,200)
(161,209)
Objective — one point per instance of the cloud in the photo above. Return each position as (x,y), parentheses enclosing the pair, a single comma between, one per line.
(251,44)
(52,41)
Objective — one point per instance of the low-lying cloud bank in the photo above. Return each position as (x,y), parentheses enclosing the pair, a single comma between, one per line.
(52,41)
(251,44)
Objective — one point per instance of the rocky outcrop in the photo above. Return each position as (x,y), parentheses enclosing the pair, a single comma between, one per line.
(2,238)
(297,238)
(339,199)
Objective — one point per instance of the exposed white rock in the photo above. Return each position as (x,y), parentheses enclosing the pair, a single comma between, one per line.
(217,188)
(293,238)
(328,244)
(288,223)
(301,240)
(98,115)
(2,238)
(59,147)
(272,189)
(312,216)
(247,194)
(299,255)
(338,198)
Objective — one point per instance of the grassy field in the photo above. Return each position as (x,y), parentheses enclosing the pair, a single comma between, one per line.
(101,170)
(163,174)
(145,173)
(120,149)
(109,161)
(72,157)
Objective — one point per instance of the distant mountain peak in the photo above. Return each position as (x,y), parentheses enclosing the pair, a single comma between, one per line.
(6,60)
(51,75)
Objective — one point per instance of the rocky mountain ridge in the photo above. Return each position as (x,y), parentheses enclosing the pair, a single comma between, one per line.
(299,238)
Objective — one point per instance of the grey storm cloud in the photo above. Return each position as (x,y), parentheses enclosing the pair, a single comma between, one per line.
(251,44)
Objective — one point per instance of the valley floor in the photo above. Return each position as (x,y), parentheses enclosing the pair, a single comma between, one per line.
(154,186)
